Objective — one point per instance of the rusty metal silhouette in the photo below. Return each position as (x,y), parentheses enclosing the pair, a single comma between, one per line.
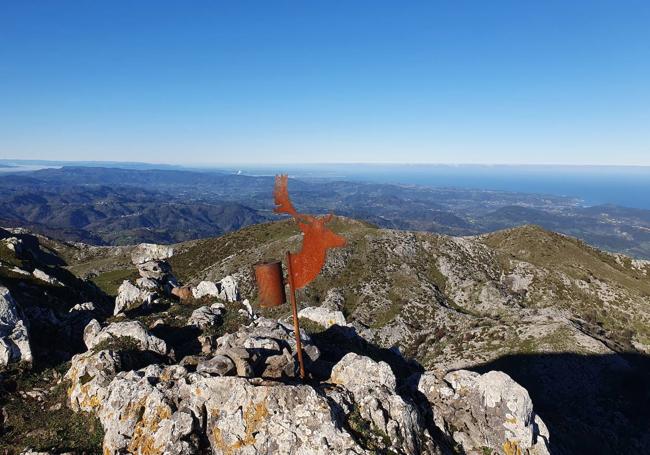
(317,238)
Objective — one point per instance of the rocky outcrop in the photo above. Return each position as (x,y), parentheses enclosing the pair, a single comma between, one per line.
(155,280)
(43,276)
(265,348)
(369,387)
(228,289)
(243,396)
(14,338)
(489,410)
(169,410)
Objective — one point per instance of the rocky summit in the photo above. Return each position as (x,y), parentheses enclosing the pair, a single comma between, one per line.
(518,342)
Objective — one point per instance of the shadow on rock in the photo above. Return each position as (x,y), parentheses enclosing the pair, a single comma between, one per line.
(597,404)
(337,341)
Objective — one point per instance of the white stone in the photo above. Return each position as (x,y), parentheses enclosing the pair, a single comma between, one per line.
(484,410)
(206,316)
(130,296)
(205,288)
(228,289)
(14,337)
(41,275)
(127,329)
(146,252)
(354,369)
(323,316)
(86,306)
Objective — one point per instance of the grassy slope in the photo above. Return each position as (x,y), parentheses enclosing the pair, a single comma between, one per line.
(623,315)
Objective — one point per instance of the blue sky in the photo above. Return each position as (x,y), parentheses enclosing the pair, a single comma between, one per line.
(336,81)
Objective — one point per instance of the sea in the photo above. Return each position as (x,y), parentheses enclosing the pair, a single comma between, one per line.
(627,186)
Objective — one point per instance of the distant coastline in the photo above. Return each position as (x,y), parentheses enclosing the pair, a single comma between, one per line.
(627,186)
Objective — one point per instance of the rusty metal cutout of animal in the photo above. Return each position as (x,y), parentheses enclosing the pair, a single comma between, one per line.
(317,237)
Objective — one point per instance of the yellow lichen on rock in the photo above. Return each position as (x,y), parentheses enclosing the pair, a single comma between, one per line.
(253,416)
(143,441)
(512,448)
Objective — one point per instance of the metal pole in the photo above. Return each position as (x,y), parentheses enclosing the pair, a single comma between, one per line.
(294,310)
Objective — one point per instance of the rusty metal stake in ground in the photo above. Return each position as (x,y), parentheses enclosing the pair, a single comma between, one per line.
(305,265)
(294,312)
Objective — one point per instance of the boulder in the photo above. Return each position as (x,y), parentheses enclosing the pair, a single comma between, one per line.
(83,307)
(485,410)
(14,337)
(290,419)
(219,365)
(168,410)
(156,270)
(370,387)
(323,316)
(139,414)
(89,375)
(130,297)
(132,330)
(146,252)
(248,309)
(228,289)
(205,288)
(207,316)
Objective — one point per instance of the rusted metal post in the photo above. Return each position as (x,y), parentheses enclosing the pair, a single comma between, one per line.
(270,284)
(294,310)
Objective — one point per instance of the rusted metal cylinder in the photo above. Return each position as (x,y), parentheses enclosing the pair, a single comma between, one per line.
(270,285)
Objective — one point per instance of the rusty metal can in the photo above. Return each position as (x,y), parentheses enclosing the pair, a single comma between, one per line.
(270,284)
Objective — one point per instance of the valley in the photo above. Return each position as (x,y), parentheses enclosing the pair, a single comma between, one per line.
(116,206)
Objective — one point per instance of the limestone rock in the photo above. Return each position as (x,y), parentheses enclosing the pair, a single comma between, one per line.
(146,252)
(89,375)
(156,270)
(206,316)
(133,330)
(323,316)
(225,289)
(14,244)
(14,337)
(168,410)
(219,365)
(268,347)
(489,410)
(228,289)
(130,296)
(147,283)
(249,309)
(371,389)
(91,331)
(140,416)
(82,307)
(205,288)
(41,275)
(244,418)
